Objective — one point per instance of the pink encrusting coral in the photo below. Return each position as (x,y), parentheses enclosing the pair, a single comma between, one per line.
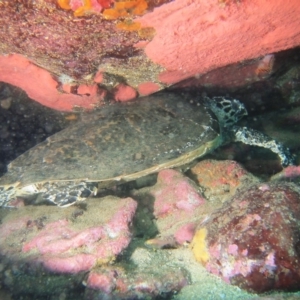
(62,247)
(57,238)
(288,172)
(177,202)
(175,194)
(185,233)
(70,264)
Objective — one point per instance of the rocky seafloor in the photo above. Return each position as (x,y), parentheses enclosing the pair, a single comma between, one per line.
(228,228)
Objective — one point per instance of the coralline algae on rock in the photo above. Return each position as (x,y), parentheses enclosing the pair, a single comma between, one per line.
(70,240)
(253,242)
(176,202)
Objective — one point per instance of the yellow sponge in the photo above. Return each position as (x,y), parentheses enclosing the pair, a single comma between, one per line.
(199,246)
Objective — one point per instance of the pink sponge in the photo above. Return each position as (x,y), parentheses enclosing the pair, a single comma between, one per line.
(40,85)
(194,37)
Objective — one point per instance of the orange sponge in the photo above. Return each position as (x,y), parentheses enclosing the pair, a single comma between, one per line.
(65,4)
(126,8)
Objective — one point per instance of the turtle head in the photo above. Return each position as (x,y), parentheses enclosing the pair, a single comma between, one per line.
(228,111)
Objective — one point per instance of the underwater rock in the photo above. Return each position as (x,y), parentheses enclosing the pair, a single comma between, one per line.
(199,43)
(113,282)
(175,193)
(221,179)
(174,197)
(69,240)
(253,242)
(278,86)
(147,88)
(178,205)
(40,85)
(147,53)
(288,172)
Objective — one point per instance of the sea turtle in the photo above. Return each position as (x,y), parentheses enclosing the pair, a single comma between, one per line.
(124,141)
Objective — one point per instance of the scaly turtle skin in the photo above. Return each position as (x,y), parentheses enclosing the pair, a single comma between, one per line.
(122,142)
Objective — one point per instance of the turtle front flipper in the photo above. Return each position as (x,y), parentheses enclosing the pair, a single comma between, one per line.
(9,193)
(6,195)
(62,193)
(65,193)
(255,138)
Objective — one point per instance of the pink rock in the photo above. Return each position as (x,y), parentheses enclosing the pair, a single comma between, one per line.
(97,7)
(186,44)
(98,77)
(185,233)
(104,282)
(89,90)
(232,249)
(60,246)
(221,179)
(124,92)
(58,239)
(255,246)
(114,282)
(219,34)
(94,5)
(288,172)
(40,85)
(241,74)
(175,198)
(70,264)
(67,87)
(175,193)
(110,248)
(147,88)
